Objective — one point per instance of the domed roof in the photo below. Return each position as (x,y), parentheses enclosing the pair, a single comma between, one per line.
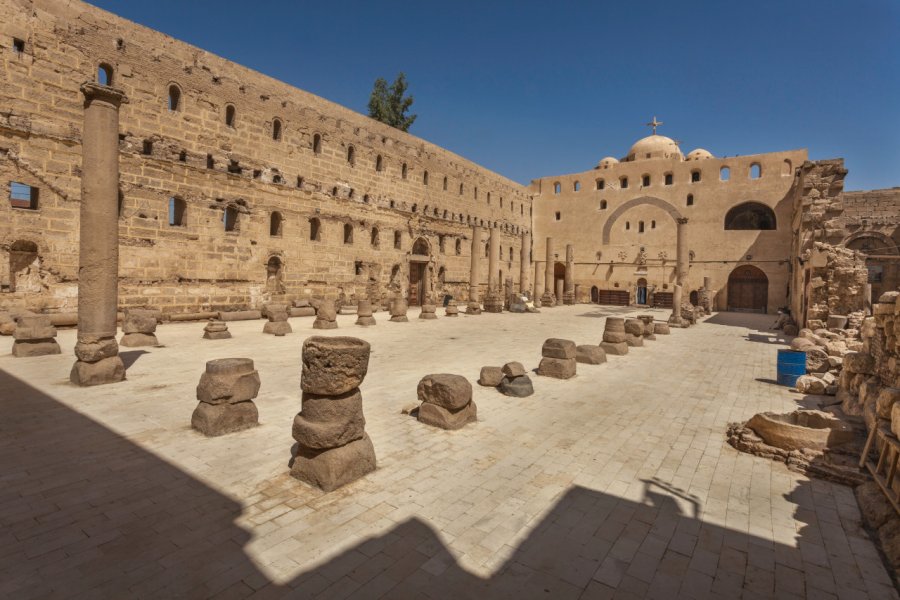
(699,154)
(654,146)
(607,161)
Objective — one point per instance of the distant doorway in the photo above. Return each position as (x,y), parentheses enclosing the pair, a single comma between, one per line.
(695,298)
(595,294)
(748,290)
(418,263)
(640,295)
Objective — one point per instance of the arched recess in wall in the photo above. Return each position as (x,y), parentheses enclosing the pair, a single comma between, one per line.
(275,275)
(23,255)
(871,242)
(657,202)
(421,247)
(104,74)
(748,289)
(174,97)
(276,224)
(750,216)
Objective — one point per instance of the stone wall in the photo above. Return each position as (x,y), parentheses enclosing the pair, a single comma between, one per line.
(227,148)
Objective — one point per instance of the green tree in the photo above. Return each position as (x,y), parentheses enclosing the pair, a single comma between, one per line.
(388,104)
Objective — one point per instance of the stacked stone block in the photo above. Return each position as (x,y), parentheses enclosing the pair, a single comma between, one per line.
(446,401)
(226,392)
(634,333)
(661,328)
(364,314)
(589,354)
(558,359)
(333,448)
(515,381)
(34,335)
(216,330)
(614,337)
(277,324)
(326,316)
(398,311)
(649,327)
(429,310)
(139,328)
(452,309)
(490,376)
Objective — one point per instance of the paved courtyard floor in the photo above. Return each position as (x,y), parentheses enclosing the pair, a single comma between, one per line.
(615,484)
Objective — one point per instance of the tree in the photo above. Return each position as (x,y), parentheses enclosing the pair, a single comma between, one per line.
(388,104)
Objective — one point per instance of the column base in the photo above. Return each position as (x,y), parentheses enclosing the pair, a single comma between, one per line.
(107,370)
(473,308)
(493,303)
(548,300)
(569,298)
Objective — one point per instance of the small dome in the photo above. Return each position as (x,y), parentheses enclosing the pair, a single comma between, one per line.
(699,154)
(606,162)
(654,146)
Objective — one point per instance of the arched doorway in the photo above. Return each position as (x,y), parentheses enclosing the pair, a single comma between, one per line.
(748,289)
(559,280)
(274,275)
(418,261)
(695,298)
(640,294)
(595,294)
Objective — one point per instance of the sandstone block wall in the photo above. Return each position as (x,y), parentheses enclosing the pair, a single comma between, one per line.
(235,187)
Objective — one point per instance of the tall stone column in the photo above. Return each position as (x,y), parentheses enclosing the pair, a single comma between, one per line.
(682,260)
(98,253)
(538,281)
(525,267)
(548,300)
(474,306)
(676,319)
(569,291)
(494,300)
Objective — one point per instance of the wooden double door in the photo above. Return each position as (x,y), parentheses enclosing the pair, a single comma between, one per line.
(416,283)
(748,290)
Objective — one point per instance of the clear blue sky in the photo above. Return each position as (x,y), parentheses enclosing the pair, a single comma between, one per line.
(530,89)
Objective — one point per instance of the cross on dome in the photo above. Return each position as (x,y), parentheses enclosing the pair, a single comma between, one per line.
(654,124)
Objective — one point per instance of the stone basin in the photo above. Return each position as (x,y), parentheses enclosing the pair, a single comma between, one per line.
(811,429)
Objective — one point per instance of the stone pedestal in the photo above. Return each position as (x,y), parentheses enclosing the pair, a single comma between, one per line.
(515,381)
(614,337)
(35,335)
(96,349)
(589,354)
(139,328)
(277,315)
(452,309)
(326,316)
(634,333)
(332,446)
(660,328)
(473,308)
(569,290)
(216,330)
(548,300)
(649,327)
(446,401)
(398,311)
(364,314)
(429,311)
(558,359)
(226,392)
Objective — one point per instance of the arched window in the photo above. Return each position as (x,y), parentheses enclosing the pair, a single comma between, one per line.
(601,184)
(487,250)
(668,179)
(750,215)
(210,162)
(275,224)
(690,199)
(645,181)
(230,218)
(489,200)
(623,183)
(510,254)
(442,244)
(379,163)
(695,176)
(475,193)
(348,233)
(787,168)
(104,74)
(458,246)
(603,205)
(755,171)
(398,240)
(461,187)
(374,238)
(445,184)
(177,209)
(174,98)
(627,225)
(724,174)
(557,188)
(230,115)
(577,186)
(640,227)
(315,229)
(404,171)
(276,130)
(415,208)
(425,178)
(653,224)
(351,155)
(420,247)
(317,144)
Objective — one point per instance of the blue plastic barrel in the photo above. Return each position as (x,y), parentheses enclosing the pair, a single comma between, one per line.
(791,365)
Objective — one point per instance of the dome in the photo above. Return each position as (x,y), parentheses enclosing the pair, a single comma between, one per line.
(606,162)
(654,146)
(699,154)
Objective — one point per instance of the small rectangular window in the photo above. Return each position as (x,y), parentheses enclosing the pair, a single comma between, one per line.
(19,46)
(668,179)
(177,208)
(558,216)
(23,196)
(148,148)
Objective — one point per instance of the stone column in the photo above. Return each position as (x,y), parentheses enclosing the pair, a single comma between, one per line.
(548,300)
(537,284)
(98,254)
(681,253)
(474,306)
(569,292)
(494,300)
(525,267)
(676,319)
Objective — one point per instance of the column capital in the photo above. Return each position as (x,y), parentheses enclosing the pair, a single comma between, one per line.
(94,91)
(681,220)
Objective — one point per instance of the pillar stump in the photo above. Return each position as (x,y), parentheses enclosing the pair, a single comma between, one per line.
(277,324)
(139,328)
(364,314)
(34,335)
(225,393)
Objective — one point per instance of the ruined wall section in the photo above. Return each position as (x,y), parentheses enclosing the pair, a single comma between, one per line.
(285,151)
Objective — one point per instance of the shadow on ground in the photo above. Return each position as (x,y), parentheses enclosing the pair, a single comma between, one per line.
(87,513)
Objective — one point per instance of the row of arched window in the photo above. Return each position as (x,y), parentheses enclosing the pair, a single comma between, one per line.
(689,201)
(640,226)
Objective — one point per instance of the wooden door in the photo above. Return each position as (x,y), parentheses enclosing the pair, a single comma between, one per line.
(416,271)
(748,290)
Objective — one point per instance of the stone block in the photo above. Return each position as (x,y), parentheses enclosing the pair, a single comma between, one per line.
(333,365)
(614,337)
(140,321)
(490,376)
(228,381)
(335,467)
(138,340)
(660,328)
(590,355)
(438,416)
(446,390)
(278,328)
(365,321)
(29,348)
(558,348)
(634,327)
(808,384)
(321,435)
(39,332)
(302,311)
(96,351)
(320,409)
(103,371)
(885,401)
(859,362)
(620,349)
(513,369)
(634,341)
(240,315)
(324,324)
(219,419)
(518,387)
(559,368)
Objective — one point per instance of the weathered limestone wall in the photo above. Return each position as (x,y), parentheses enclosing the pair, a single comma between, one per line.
(387,188)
